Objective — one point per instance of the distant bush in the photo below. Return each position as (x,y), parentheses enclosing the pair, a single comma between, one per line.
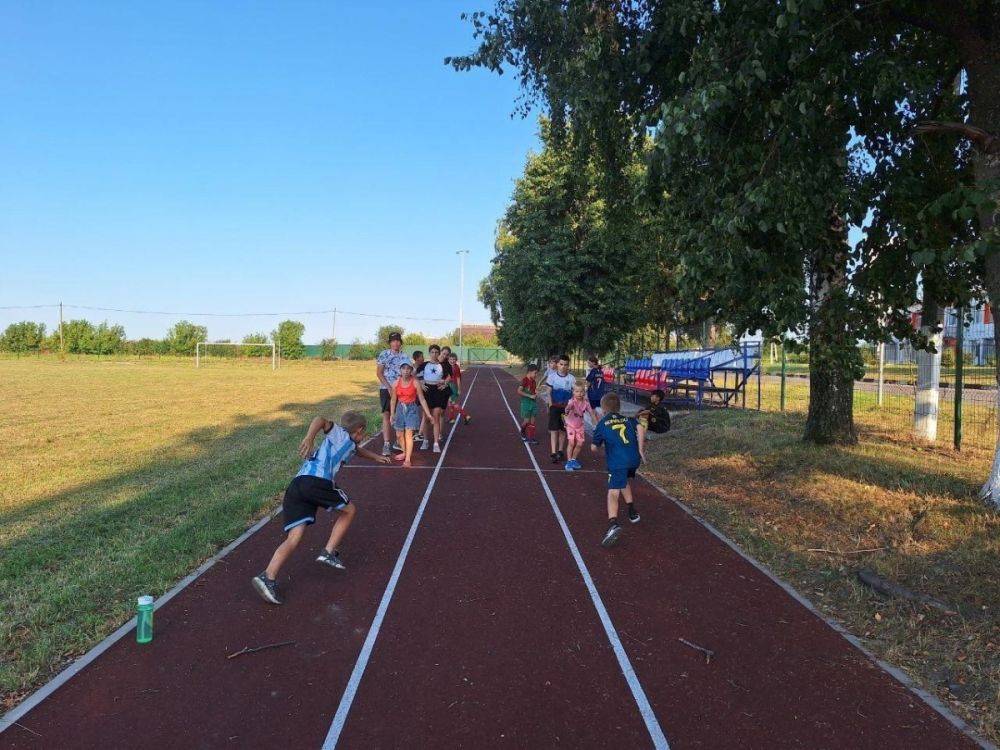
(288,336)
(22,337)
(359,350)
(183,336)
(328,349)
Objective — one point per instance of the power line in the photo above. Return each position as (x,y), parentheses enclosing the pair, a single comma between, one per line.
(332,311)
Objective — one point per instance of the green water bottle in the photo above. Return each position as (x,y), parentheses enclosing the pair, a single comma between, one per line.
(144,620)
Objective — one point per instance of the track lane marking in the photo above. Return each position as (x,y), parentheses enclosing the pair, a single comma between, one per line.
(344,707)
(645,709)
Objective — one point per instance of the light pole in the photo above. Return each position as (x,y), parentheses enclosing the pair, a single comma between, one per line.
(461,294)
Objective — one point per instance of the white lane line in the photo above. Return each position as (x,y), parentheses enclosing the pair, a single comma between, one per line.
(473,468)
(648,715)
(77,666)
(340,718)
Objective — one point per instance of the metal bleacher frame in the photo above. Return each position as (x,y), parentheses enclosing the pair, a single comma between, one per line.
(717,377)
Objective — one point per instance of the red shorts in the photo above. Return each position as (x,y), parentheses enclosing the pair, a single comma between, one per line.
(574,434)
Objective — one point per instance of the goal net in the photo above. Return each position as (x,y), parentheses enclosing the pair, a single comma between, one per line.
(205,351)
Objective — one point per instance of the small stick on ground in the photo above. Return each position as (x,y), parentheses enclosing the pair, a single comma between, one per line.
(31,731)
(849,552)
(255,649)
(884,586)
(709,653)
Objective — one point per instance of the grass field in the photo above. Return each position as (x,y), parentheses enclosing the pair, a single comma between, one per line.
(894,417)
(118,477)
(749,474)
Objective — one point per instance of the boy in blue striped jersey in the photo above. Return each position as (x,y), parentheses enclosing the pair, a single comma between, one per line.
(313,488)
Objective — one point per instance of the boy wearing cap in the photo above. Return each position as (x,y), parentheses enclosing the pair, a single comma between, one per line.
(387,366)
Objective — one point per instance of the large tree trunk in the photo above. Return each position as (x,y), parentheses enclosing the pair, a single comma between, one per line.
(925,408)
(833,350)
(984,96)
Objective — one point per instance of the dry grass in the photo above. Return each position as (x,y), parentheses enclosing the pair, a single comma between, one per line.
(748,473)
(118,477)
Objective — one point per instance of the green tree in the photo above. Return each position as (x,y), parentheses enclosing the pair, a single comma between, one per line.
(22,337)
(564,273)
(755,169)
(382,334)
(328,349)
(183,337)
(413,338)
(257,338)
(288,336)
(79,336)
(107,339)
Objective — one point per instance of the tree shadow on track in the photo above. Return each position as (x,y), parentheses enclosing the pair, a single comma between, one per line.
(74,561)
(809,513)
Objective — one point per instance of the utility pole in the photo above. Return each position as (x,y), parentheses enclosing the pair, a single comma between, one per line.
(62,342)
(333,330)
(461,293)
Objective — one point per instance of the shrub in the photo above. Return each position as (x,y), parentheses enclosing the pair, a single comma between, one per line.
(288,336)
(25,336)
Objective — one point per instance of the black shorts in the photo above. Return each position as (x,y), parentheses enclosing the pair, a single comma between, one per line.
(437,398)
(385,399)
(556,414)
(305,494)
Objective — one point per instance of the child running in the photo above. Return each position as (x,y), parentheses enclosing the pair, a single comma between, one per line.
(577,408)
(529,404)
(623,440)
(314,487)
(405,410)
(455,384)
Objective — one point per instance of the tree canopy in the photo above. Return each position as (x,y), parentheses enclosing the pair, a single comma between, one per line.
(777,128)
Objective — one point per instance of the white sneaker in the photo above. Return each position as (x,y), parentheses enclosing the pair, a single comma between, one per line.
(386,450)
(425,445)
(437,447)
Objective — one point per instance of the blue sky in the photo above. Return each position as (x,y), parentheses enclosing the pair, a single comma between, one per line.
(242,157)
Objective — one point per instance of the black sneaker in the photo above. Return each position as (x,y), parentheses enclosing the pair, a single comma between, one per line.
(633,514)
(561,455)
(332,559)
(611,535)
(267,589)
(418,438)
(554,457)
(467,419)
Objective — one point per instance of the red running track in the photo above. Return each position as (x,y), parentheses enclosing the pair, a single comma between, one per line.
(490,637)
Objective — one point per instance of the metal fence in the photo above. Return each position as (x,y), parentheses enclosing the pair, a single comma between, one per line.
(885,398)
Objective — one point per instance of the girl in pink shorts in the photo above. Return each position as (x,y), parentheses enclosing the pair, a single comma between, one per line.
(577,407)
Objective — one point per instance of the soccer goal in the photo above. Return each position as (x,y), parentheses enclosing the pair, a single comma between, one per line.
(203,349)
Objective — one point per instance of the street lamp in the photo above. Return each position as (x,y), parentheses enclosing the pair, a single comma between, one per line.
(461,293)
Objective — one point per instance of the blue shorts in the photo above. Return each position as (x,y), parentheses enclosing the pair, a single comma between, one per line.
(618,478)
(407,416)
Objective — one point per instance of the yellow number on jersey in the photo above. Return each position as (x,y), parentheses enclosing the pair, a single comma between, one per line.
(620,429)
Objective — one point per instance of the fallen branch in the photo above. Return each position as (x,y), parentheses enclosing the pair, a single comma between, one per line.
(707,651)
(849,552)
(255,649)
(883,586)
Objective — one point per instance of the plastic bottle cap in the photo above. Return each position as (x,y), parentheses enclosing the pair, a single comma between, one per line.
(144,600)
